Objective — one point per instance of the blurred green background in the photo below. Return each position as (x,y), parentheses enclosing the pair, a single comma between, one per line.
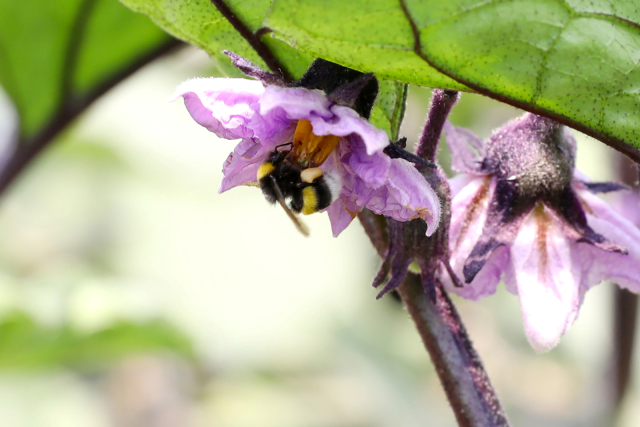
(131,294)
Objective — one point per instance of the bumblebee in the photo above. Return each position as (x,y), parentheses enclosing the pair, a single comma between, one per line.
(292,177)
(307,191)
(291,174)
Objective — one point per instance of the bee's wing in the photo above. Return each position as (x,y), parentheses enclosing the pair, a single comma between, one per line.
(280,197)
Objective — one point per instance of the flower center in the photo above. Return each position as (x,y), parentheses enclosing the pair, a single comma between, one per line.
(310,150)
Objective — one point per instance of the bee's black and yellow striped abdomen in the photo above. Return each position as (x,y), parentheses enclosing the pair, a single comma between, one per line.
(314,197)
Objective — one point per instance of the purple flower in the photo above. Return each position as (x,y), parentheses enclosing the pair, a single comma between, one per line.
(521,213)
(321,128)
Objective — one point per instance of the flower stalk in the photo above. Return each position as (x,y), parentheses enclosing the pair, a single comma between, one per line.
(466,383)
(462,375)
(441,104)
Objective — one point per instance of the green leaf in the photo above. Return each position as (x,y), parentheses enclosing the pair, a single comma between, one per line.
(58,55)
(372,36)
(388,110)
(576,61)
(26,345)
(200,23)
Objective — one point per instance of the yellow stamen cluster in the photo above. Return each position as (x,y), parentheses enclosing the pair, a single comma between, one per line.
(309,149)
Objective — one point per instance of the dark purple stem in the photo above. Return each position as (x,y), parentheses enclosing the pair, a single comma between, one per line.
(625,312)
(441,103)
(463,377)
(472,398)
(254,40)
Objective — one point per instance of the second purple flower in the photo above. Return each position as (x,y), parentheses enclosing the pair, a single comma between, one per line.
(521,213)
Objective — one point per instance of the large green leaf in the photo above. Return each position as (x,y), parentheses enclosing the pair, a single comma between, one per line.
(56,55)
(575,60)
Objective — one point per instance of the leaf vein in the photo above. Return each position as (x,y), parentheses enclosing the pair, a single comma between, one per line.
(543,66)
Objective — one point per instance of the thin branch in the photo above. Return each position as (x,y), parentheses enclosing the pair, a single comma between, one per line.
(617,144)
(254,40)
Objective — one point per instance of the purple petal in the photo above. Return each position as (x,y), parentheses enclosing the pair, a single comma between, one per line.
(621,268)
(339,216)
(411,196)
(467,150)
(223,106)
(405,195)
(346,122)
(627,203)
(242,165)
(296,103)
(548,279)
(373,170)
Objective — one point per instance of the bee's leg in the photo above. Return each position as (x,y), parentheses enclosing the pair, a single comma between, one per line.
(396,150)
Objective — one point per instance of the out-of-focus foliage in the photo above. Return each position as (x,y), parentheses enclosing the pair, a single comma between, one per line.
(25,344)
(57,55)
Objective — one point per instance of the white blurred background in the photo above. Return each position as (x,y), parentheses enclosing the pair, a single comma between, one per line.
(120,221)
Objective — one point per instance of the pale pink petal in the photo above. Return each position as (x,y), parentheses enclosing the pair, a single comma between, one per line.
(627,203)
(373,170)
(548,280)
(412,195)
(223,106)
(468,214)
(622,269)
(339,216)
(296,103)
(460,181)
(345,122)
(467,150)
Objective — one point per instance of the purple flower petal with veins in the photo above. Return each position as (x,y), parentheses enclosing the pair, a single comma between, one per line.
(520,213)
(265,114)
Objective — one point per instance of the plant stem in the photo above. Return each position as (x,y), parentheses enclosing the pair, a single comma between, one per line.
(442,102)
(466,383)
(625,314)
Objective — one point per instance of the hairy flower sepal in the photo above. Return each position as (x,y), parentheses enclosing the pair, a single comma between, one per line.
(519,213)
(408,241)
(333,102)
